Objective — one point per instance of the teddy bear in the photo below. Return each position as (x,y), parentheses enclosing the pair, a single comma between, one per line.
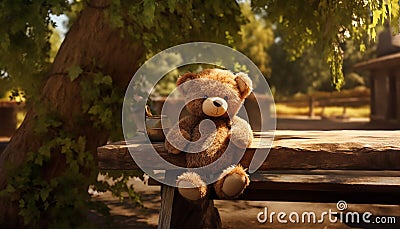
(212,96)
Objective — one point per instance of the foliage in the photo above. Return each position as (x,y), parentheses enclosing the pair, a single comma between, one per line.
(26,29)
(63,199)
(327,24)
(160,25)
(309,72)
(56,199)
(116,181)
(257,37)
(46,201)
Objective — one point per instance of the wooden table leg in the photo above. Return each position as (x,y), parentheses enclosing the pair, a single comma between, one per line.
(177,212)
(167,198)
(194,215)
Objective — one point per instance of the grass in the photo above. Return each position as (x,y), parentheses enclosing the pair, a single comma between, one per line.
(354,112)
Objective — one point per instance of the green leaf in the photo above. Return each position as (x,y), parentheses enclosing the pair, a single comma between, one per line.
(45,151)
(21,203)
(171,5)
(39,160)
(149,8)
(44,193)
(362,48)
(74,167)
(100,79)
(96,109)
(10,188)
(81,144)
(74,71)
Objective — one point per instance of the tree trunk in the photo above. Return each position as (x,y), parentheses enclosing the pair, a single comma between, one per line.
(90,38)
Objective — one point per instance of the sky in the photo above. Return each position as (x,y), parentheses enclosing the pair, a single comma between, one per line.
(59,20)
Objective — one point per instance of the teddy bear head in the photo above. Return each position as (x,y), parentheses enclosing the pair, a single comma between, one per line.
(214,92)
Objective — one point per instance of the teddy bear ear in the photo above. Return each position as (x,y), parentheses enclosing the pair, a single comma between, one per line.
(244,84)
(184,78)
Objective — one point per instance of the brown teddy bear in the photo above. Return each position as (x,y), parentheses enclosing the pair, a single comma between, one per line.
(214,95)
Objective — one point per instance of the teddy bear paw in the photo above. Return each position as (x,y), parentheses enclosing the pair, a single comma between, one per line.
(189,191)
(191,187)
(234,185)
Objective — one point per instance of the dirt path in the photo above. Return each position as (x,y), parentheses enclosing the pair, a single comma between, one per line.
(240,214)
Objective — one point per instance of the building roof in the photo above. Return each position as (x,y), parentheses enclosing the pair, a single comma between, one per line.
(387,61)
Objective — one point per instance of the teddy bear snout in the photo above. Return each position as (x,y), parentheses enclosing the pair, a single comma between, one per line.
(215,106)
(217,103)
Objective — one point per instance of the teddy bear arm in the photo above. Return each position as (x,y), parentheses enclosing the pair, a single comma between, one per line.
(241,133)
(174,134)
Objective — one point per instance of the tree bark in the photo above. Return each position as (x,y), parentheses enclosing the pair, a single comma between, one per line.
(89,39)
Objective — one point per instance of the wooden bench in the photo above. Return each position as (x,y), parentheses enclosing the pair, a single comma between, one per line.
(302,166)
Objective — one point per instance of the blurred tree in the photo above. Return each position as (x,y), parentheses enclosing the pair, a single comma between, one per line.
(289,77)
(257,37)
(327,25)
(310,73)
(75,100)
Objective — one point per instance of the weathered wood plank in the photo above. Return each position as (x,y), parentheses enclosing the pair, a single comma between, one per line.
(328,186)
(324,180)
(285,180)
(389,198)
(167,198)
(386,61)
(372,150)
(370,187)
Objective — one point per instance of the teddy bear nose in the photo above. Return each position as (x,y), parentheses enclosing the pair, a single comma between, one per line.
(217,103)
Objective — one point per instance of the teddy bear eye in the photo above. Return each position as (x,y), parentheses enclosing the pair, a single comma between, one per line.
(226,97)
(205,96)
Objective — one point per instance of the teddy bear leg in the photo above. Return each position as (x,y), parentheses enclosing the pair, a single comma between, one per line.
(232,182)
(191,186)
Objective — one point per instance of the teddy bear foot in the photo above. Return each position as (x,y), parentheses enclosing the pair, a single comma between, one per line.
(191,186)
(232,183)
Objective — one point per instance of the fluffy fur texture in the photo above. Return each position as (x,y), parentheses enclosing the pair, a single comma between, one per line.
(242,182)
(227,127)
(191,185)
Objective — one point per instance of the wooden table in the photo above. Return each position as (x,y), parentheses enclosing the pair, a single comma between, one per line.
(306,166)
(3,143)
